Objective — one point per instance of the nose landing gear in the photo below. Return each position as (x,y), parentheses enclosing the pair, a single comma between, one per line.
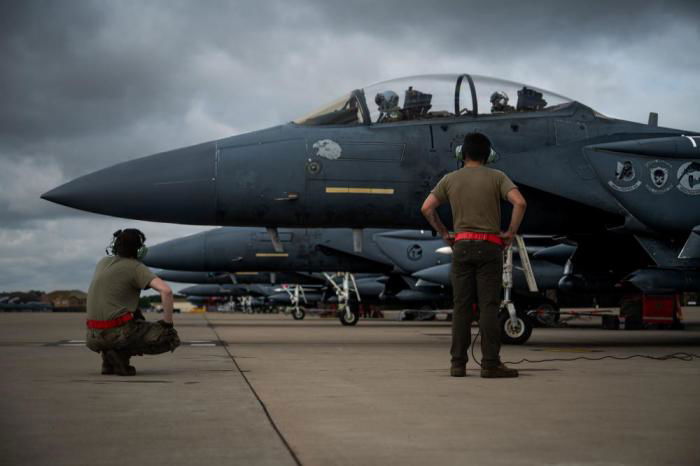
(296,295)
(516,327)
(348,297)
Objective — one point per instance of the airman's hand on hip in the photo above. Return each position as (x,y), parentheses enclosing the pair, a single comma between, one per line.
(507,237)
(449,239)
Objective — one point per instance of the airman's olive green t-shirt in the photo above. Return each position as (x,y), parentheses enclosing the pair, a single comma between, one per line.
(116,287)
(475,194)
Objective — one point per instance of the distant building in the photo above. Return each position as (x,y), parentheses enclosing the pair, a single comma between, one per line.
(68,300)
(24,301)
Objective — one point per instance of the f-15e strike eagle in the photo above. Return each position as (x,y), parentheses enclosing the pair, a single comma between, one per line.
(628,194)
(404,266)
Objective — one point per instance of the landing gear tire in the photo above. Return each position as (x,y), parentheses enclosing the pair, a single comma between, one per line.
(515,333)
(298,313)
(349,314)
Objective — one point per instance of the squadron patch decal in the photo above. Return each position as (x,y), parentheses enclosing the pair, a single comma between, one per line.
(625,176)
(689,178)
(658,177)
(414,252)
(328,149)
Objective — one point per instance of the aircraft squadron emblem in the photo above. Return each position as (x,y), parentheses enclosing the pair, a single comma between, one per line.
(625,175)
(658,176)
(327,149)
(415,252)
(689,178)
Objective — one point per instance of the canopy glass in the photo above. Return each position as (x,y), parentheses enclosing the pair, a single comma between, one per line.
(434,96)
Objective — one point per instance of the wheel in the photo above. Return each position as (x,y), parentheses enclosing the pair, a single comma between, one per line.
(546,314)
(349,314)
(515,334)
(298,313)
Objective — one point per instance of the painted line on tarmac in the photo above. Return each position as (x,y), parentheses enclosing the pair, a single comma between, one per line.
(81,343)
(255,393)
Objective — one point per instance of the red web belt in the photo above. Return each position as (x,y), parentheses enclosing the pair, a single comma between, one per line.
(470,236)
(103,324)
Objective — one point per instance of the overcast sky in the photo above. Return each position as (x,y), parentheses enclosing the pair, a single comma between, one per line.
(87,84)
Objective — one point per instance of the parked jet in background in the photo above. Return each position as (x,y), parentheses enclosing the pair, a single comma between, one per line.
(226,278)
(304,250)
(399,254)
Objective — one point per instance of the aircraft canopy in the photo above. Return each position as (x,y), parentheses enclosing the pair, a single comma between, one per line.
(433,96)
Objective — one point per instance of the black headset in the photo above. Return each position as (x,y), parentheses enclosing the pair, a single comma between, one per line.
(142,249)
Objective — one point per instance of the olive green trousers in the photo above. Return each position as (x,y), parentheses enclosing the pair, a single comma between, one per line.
(477,275)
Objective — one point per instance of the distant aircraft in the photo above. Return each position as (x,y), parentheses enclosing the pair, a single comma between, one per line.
(371,289)
(304,251)
(247,277)
(415,272)
(627,193)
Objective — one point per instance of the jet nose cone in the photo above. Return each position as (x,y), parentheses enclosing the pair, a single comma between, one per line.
(177,187)
(179,254)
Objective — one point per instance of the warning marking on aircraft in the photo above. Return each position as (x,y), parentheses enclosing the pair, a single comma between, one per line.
(271,254)
(349,190)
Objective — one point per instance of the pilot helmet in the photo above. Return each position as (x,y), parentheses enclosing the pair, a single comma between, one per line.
(387,101)
(499,98)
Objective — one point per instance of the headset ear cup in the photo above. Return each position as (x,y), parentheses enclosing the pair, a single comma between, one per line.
(110,249)
(458,153)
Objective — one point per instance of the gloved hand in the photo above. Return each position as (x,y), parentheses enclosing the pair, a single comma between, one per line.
(165,324)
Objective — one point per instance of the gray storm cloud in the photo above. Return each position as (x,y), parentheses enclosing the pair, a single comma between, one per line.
(87,84)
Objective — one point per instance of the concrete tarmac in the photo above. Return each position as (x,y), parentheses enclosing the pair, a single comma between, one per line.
(264,389)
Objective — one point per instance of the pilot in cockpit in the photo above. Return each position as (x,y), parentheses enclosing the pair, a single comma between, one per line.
(388,106)
(499,103)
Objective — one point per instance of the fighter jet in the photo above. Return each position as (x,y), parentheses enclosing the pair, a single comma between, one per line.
(358,277)
(226,278)
(282,293)
(627,193)
(245,297)
(396,254)
(210,290)
(327,251)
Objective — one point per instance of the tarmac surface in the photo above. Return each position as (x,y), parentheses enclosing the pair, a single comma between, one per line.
(264,389)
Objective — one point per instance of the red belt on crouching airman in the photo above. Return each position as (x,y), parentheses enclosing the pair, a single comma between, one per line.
(103,324)
(471,236)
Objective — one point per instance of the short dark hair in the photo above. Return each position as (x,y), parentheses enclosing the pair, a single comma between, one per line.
(476,147)
(127,242)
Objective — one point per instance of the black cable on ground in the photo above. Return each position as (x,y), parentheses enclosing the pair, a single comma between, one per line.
(262,404)
(681,356)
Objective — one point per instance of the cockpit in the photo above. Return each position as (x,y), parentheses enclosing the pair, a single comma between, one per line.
(431,97)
